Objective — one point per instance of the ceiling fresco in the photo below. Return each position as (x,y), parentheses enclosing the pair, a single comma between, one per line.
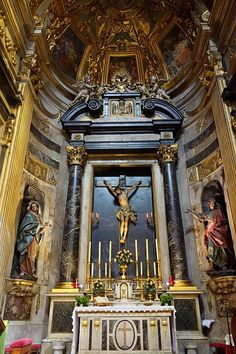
(82,36)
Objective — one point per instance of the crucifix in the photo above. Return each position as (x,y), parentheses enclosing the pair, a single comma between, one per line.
(126,213)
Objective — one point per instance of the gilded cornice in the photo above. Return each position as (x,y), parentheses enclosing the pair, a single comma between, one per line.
(76,155)
(167,153)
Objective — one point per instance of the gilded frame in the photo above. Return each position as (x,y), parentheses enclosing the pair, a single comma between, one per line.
(113,54)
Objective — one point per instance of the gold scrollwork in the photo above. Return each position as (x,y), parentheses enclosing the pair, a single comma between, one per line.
(76,155)
(167,153)
(56,29)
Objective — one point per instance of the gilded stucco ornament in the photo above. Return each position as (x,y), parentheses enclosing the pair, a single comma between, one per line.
(2,23)
(40,170)
(11,48)
(32,70)
(167,153)
(21,288)
(55,30)
(224,289)
(8,133)
(212,66)
(7,40)
(76,155)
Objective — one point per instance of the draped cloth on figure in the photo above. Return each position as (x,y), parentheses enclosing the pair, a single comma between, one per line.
(28,238)
(216,237)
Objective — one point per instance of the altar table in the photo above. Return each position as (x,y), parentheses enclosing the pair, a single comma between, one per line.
(132,329)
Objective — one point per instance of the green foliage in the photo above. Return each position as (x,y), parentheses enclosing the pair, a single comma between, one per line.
(82,300)
(166,298)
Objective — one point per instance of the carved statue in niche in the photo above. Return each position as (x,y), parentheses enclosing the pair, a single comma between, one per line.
(28,239)
(216,236)
(126,213)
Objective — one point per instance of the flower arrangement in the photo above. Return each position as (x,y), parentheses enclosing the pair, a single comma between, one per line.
(149,286)
(82,300)
(123,257)
(166,299)
(98,287)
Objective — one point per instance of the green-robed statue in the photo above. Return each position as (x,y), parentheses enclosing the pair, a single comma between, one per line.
(28,238)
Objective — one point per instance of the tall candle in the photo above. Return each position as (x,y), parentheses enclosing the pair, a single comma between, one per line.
(99,252)
(141,269)
(147,252)
(105,269)
(110,246)
(92,268)
(157,254)
(136,249)
(89,252)
(154,269)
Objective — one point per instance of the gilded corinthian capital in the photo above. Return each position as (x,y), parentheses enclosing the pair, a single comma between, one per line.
(76,155)
(167,153)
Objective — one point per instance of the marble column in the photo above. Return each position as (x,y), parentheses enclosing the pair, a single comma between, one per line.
(70,243)
(167,157)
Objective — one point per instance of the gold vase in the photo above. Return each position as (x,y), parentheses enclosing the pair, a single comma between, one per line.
(123,271)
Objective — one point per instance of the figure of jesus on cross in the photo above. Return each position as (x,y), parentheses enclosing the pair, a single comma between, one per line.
(126,212)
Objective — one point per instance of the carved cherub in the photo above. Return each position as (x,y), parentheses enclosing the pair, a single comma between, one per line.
(142,88)
(86,89)
(155,91)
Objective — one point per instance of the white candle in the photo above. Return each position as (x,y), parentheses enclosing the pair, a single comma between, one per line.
(147,252)
(141,269)
(92,267)
(136,249)
(105,269)
(154,269)
(89,252)
(110,245)
(157,254)
(99,252)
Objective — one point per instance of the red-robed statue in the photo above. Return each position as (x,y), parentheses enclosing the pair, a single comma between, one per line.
(216,236)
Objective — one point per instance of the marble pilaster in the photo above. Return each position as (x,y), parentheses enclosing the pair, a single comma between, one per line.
(167,156)
(70,243)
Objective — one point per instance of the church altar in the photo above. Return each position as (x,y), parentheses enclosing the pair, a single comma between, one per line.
(128,327)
